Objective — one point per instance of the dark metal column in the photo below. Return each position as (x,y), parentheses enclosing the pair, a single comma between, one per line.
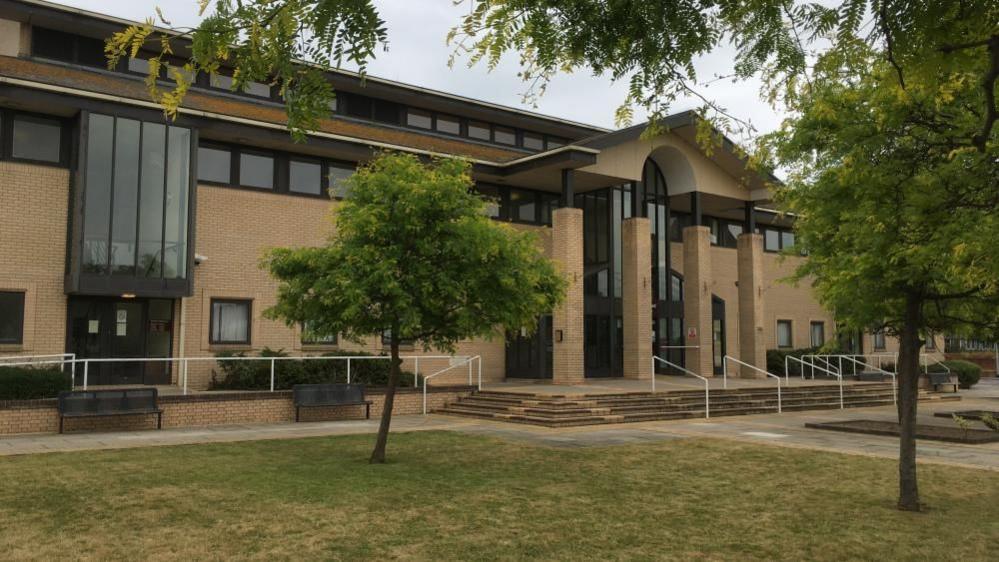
(695,209)
(568,188)
(750,217)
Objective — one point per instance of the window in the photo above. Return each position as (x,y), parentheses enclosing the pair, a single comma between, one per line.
(214,164)
(533,141)
(555,142)
(310,338)
(36,138)
(771,240)
(337,174)
(786,239)
(478,130)
(419,118)
(818,334)
(11,317)
(230,321)
(784,339)
(448,124)
(66,47)
(387,340)
(305,177)
(356,106)
(256,170)
(523,205)
(505,135)
(878,338)
(493,197)
(386,111)
(136,190)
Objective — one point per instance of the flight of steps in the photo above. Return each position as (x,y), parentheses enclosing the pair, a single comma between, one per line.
(591,409)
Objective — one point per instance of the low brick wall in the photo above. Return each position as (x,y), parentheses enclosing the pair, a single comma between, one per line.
(216,408)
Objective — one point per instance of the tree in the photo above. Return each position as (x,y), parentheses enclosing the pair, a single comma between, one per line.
(415,255)
(655,46)
(897,208)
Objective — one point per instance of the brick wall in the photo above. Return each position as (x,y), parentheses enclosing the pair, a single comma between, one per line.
(200,410)
(33,212)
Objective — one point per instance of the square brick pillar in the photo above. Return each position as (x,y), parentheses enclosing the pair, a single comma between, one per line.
(752,348)
(697,283)
(636,297)
(567,252)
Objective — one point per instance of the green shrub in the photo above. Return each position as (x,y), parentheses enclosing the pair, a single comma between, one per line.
(28,383)
(776,359)
(967,372)
(256,375)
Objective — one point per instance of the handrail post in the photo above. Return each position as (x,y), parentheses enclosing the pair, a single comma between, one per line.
(185,375)
(272,374)
(424,396)
(779,410)
(416,374)
(480,372)
(470,372)
(72,367)
(725,372)
(348,370)
(86,372)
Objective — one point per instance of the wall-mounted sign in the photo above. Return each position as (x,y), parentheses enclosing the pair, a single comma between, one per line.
(691,333)
(94,326)
(122,315)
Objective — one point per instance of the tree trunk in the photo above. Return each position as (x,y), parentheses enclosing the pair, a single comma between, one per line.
(378,455)
(908,398)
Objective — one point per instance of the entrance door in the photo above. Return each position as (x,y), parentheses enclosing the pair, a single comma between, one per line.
(718,334)
(121,328)
(530,356)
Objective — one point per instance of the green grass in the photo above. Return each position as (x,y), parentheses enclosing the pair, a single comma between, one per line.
(459,497)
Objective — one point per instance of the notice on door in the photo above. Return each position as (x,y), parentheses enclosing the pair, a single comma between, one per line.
(94,326)
(121,326)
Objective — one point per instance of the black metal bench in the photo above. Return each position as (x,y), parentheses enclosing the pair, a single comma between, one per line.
(309,395)
(121,402)
(941,379)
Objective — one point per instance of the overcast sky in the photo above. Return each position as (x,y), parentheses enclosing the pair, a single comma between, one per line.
(418,55)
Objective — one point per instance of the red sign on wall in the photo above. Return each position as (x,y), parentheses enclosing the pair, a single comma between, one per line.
(691,333)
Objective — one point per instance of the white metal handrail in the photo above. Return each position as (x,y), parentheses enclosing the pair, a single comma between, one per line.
(184,361)
(813,358)
(668,347)
(894,381)
(728,358)
(707,407)
(466,361)
(28,360)
(813,366)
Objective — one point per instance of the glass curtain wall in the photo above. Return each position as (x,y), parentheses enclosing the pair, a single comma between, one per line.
(137,191)
(603,211)
(667,285)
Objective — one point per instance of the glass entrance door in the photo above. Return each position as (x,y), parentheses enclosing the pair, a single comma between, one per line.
(121,328)
(529,356)
(718,351)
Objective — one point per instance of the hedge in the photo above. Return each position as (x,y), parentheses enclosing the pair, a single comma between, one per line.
(967,372)
(27,383)
(776,358)
(256,375)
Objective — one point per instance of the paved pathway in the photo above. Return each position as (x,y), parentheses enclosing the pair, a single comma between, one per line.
(786,430)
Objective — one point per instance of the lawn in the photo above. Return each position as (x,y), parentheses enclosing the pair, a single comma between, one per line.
(459,497)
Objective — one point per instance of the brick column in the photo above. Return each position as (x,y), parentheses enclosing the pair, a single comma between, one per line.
(752,347)
(636,297)
(567,251)
(697,283)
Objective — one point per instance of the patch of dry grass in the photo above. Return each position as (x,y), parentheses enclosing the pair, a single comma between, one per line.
(459,497)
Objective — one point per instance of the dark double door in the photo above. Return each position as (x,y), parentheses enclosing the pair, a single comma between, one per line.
(529,355)
(101,328)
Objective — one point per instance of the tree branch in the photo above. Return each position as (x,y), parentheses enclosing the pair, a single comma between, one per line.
(989,85)
(883,21)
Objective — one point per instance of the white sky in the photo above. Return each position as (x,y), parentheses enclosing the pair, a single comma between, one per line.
(418,55)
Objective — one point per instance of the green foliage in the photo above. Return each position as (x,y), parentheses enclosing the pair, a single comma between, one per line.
(415,254)
(256,375)
(961,422)
(262,41)
(655,46)
(776,359)
(968,373)
(990,421)
(28,383)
